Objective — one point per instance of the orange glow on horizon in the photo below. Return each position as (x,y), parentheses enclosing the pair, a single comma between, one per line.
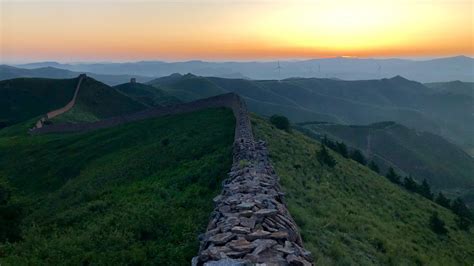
(125,30)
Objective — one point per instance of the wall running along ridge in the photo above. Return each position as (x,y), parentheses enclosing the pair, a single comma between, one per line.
(250,223)
(64,109)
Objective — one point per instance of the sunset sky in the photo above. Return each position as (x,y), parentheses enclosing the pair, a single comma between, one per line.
(95,30)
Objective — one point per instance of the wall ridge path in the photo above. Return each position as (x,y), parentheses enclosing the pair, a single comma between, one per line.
(250,223)
(62,110)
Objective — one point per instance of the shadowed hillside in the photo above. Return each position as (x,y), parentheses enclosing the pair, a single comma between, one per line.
(349,215)
(420,154)
(25,98)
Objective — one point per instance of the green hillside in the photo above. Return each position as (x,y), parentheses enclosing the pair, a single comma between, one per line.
(348,102)
(187,87)
(420,154)
(348,215)
(96,101)
(136,194)
(24,98)
(147,95)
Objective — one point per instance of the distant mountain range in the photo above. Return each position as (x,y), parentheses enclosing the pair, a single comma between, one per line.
(9,72)
(397,99)
(435,70)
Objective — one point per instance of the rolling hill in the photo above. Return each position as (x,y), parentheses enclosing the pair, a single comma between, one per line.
(10,72)
(346,102)
(146,94)
(432,70)
(24,98)
(349,215)
(420,154)
(138,193)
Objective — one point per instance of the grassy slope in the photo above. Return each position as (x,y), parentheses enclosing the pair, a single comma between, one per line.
(421,154)
(351,216)
(147,94)
(117,196)
(25,98)
(96,101)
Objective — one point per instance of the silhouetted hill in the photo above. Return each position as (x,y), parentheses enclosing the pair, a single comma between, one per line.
(9,72)
(423,155)
(454,87)
(433,70)
(24,98)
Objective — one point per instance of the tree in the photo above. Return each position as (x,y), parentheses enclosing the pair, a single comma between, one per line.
(280,122)
(374,167)
(425,190)
(342,149)
(392,176)
(443,201)
(410,184)
(460,208)
(357,156)
(437,225)
(324,157)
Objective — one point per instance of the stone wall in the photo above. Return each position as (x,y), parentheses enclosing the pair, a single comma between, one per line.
(63,109)
(250,223)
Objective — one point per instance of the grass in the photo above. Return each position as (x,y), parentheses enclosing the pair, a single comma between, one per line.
(349,215)
(138,193)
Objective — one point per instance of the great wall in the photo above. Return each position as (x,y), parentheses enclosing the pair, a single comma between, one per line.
(42,121)
(250,223)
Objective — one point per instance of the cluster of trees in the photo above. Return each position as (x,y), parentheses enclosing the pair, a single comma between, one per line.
(355,154)
(457,206)
(280,122)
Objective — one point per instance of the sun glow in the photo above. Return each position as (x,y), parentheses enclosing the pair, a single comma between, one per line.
(82,30)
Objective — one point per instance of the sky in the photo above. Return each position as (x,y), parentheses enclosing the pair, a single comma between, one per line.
(126,30)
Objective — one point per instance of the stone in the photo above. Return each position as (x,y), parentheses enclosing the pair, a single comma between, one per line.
(241,244)
(222,238)
(262,244)
(248,222)
(279,235)
(245,206)
(257,234)
(217,199)
(246,213)
(226,262)
(297,261)
(266,212)
(240,230)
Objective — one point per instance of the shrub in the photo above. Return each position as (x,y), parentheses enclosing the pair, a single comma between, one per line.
(437,225)
(443,201)
(392,176)
(374,167)
(280,122)
(357,156)
(425,190)
(324,158)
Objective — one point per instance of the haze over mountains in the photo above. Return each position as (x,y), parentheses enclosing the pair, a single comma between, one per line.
(434,70)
